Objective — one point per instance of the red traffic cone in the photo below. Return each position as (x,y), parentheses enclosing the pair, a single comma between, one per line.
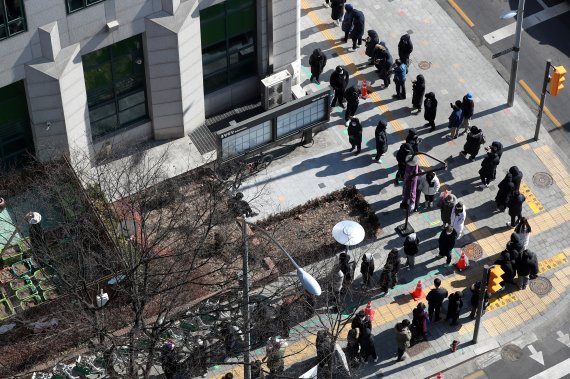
(369,311)
(463,262)
(439,375)
(364,90)
(419,292)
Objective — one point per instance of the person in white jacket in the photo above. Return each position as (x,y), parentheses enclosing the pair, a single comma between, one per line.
(458,218)
(429,185)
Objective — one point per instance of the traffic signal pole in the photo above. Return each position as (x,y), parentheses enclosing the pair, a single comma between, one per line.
(481,303)
(542,98)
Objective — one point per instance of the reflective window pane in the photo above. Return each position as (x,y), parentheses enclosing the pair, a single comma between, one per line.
(12,18)
(14,9)
(75,5)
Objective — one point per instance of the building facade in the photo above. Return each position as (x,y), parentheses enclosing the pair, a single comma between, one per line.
(86,75)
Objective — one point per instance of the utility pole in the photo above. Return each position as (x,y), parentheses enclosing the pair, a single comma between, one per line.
(542,99)
(481,303)
(516,49)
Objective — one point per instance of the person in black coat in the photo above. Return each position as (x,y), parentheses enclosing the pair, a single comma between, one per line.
(355,134)
(455,303)
(361,322)
(475,138)
(475,289)
(515,204)
(347,21)
(498,148)
(357,28)
(337,10)
(517,177)
(411,249)
(515,246)
(527,268)
(371,41)
(352,348)
(381,139)
(506,187)
(430,110)
(489,166)
(367,348)
(352,96)
(405,48)
(435,298)
(347,266)
(468,107)
(367,269)
(413,139)
(405,150)
(339,81)
(447,239)
(418,90)
(508,266)
(383,62)
(317,61)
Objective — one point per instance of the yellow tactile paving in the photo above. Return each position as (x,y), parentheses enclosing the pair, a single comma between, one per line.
(552,262)
(534,204)
(524,146)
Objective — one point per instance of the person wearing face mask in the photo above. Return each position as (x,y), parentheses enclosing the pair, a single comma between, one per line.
(447,239)
(429,185)
(355,134)
(458,218)
(338,82)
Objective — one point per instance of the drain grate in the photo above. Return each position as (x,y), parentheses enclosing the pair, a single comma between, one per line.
(418,348)
(542,179)
(424,65)
(473,251)
(540,286)
(511,353)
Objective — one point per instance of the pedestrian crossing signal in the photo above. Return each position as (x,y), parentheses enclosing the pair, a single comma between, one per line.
(495,279)
(557,80)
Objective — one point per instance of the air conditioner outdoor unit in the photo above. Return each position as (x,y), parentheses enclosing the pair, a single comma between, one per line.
(276,89)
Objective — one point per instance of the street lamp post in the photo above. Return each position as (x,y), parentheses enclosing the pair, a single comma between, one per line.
(516,48)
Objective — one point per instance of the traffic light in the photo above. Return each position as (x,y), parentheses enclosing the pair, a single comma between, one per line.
(495,279)
(557,80)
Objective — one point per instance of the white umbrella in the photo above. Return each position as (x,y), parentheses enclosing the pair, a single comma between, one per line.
(348,233)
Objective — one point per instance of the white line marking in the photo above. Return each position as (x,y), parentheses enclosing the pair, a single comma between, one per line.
(555,372)
(528,22)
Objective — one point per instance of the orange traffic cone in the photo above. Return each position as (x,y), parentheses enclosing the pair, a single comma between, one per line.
(419,292)
(463,262)
(369,311)
(364,90)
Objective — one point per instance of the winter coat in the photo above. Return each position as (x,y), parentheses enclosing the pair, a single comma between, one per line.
(366,342)
(367,266)
(475,139)
(515,244)
(405,46)
(446,242)
(499,148)
(352,345)
(382,59)
(489,165)
(429,188)
(393,262)
(355,132)
(418,90)
(455,303)
(337,279)
(352,95)
(436,296)
(357,24)
(506,187)
(361,323)
(458,220)
(337,9)
(430,106)
(523,233)
(347,20)
(475,288)
(507,266)
(405,150)
(403,336)
(455,118)
(381,137)
(318,61)
(517,177)
(371,43)
(419,320)
(339,81)
(515,204)
(447,208)
(468,107)
(527,264)
(411,245)
(400,73)
(413,139)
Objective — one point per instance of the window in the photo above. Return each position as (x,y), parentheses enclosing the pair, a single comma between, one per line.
(12,18)
(16,141)
(75,5)
(116,86)
(228,43)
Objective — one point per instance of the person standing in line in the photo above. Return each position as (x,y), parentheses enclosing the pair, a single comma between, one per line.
(371,41)
(458,218)
(455,119)
(361,322)
(413,139)
(411,249)
(515,205)
(435,299)
(489,166)
(355,134)
(383,62)
(447,206)
(338,82)
(506,188)
(455,303)
(430,110)
(352,96)
(337,285)
(468,108)
(523,230)
(367,269)
(418,90)
(403,338)
(347,21)
(400,72)
(381,139)
(517,177)
(419,323)
(475,138)
(337,10)
(507,263)
(429,185)
(475,289)
(446,242)
(405,48)
(367,348)
(389,276)
(317,61)
(401,156)
(357,31)
(527,268)
(352,348)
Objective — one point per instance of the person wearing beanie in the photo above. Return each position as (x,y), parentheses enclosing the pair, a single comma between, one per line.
(381,139)
(458,218)
(347,21)
(468,108)
(475,138)
(338,82)
(430,110)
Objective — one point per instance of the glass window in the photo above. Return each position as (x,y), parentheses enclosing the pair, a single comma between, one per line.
(75,5)
(228,43)
(12,18)
(16,141)
(116,86)
(299,118)
(246,140)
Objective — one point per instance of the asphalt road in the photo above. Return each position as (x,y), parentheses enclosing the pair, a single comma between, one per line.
(547,39)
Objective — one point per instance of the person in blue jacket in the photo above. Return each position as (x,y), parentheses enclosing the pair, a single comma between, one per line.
(455,119)
(400,72)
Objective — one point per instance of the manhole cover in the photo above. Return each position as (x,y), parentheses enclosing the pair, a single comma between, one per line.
(418,348)
(511,353)
(473,251)
(542,179)
(424,65)
(540,286)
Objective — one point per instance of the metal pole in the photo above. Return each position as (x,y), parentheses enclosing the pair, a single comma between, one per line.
(245,280)
(482,291)
(516,49)
(542,98)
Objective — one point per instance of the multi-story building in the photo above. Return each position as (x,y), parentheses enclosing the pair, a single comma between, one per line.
(84,74)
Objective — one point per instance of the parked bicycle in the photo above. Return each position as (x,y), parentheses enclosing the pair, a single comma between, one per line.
(232,174)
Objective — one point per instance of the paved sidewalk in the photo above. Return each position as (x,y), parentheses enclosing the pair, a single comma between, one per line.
(452,66)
